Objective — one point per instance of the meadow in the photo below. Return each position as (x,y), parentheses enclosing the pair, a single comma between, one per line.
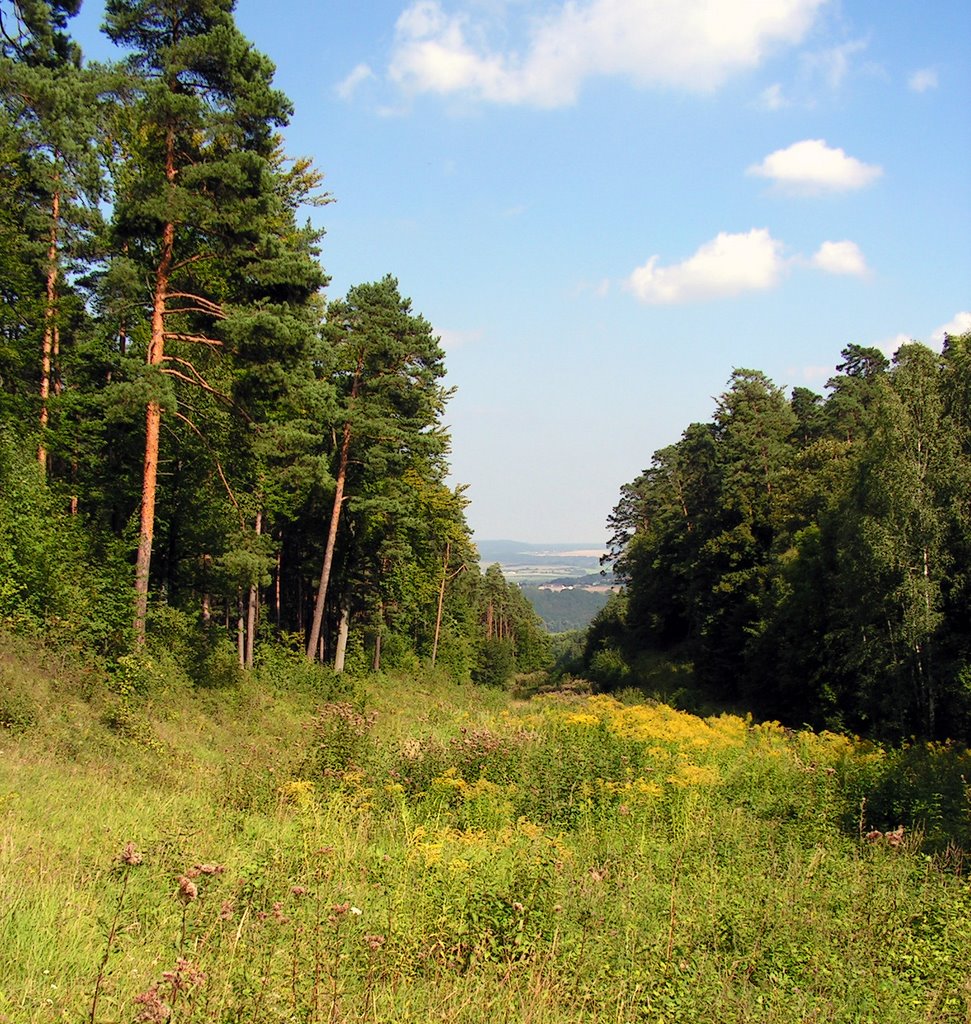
(291,846)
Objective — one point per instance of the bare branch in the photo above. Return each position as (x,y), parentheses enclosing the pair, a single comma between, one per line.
(219,468)
(193,309)
(202,304)
(197,380)
(195,339)
(197,258)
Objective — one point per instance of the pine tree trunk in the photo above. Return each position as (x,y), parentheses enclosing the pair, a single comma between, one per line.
(376,662)
(50,328)
(334,520)
(153,419)
(206,603)
(441,602)
(56,385)
(153,415)
(343,630)
(277,583)
(331,544)
(240,628)
(253,606)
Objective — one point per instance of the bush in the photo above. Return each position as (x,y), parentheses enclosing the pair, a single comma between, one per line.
(282,665)
(495,664)
(609,669)
(57,578)
(18,712)
(925,787)
(340,734)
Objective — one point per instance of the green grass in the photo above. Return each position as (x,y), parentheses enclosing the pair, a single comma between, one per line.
(412,850)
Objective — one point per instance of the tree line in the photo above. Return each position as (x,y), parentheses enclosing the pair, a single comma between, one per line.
(809,555)
(187,425)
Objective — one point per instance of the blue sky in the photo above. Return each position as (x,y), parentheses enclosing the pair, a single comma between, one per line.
(605,206)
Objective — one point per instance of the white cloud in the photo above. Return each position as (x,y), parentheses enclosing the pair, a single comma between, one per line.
(840,258)
(812,373)
(921,81)
(728,265)
(889,346)
(451,340)
(688,44)
(811,166)
(347,87)
(834,64)
(772,98)
(960,323)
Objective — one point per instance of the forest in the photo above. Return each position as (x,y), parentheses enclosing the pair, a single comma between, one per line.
(199,449)
(807,555)
(195,444)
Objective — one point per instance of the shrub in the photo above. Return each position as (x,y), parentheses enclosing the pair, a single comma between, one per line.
(282,665)
(57,578)
(495,664)
(340,733)
(18,711)
(924,786)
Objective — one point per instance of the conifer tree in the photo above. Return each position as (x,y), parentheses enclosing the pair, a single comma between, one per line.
(198,210)
(51,107)
(388,365)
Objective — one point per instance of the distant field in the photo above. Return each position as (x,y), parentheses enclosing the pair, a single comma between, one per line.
(576,566)
(536,563)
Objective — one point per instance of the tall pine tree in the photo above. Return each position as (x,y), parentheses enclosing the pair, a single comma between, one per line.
(198,208)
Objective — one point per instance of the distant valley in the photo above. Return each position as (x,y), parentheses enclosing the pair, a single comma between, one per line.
(541,563)
(563,582)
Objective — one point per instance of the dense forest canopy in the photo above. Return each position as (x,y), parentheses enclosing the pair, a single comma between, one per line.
(189,431)
(193,437)
(808,554)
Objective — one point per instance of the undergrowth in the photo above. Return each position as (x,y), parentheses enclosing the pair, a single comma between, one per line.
(291,846)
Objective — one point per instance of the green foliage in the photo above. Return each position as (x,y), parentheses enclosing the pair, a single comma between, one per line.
(928,786)
(132,725)
(496,662)
(806,556)
(282,663)
(254,377)
(339,744)
(565,610)
(56,577)
(18,711)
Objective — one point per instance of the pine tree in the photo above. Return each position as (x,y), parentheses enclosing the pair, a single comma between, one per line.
(198,206)
(51,106)
(388,366)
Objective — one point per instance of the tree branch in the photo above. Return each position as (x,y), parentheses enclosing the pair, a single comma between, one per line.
(201,305)
(219,468)
(195,339)
(196,378)
(197,258)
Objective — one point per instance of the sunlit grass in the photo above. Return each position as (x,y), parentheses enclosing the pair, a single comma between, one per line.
(414,850)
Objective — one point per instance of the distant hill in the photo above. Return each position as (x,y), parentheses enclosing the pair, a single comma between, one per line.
(563,582)
(567,609)
(537,563)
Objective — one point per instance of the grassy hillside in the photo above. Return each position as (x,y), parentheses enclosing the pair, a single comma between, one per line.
(293,848)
